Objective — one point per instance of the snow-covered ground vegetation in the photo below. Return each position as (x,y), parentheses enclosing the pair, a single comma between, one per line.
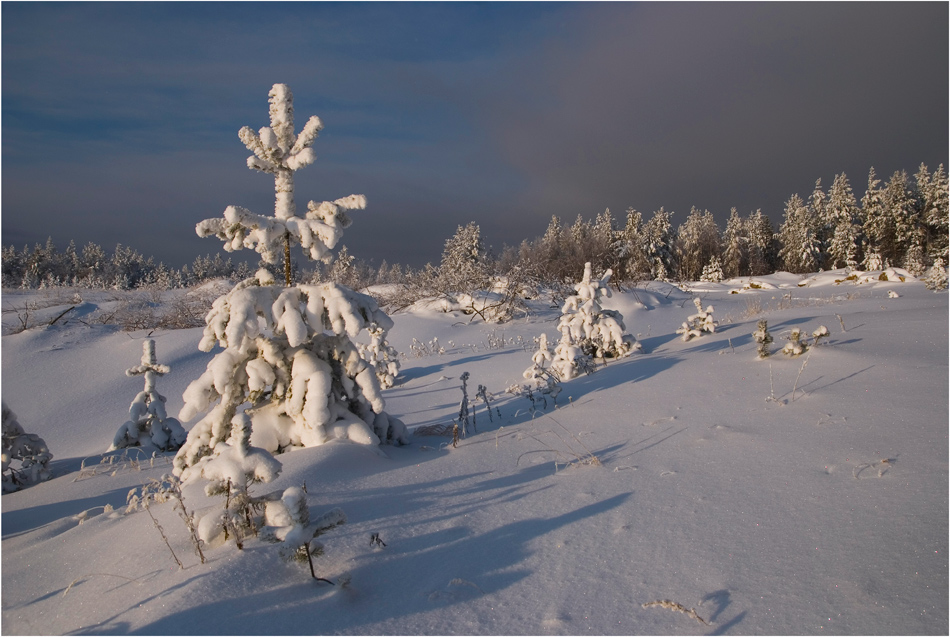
(25,456)
(690,489)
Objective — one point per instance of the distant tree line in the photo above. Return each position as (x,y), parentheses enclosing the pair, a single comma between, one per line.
(44,266)
(902,223)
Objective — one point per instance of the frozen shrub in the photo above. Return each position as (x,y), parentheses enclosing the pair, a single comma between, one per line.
(698,323)
(820,333)
(25,456)
(795,345)
(289,525)
(148,424)
(230,471)
(762,338)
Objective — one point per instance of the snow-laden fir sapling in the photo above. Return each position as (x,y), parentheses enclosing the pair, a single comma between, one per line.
(381,356)
(148,424)
(288,359)
(230,471)
(290,526)
(712,272)
(698,323)
(762,338)
(25,456)
(588,331)
(936,279)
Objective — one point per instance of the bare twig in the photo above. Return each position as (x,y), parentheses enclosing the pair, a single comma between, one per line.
(671,605)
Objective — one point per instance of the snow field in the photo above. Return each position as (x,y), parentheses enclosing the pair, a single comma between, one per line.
(764,516)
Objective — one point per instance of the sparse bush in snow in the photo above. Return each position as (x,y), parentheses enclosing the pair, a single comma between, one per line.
(289,525)
(287,351)
(148,424)
(698,323)
(762,338)
(25,456)
(588,331)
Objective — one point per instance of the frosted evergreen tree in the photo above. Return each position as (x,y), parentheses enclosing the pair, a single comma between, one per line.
(697,241)
(588,331)
(878,225)
(464,265)
(634,263)
(148,424)
(936,278)
(712,271)
(659,241)
(817,209)
(762,338)
(381,356)
(762,252)
(540,361)
(25,457)
(734,247)
(288,356)
(904,215)
(696,324)
(935,201)
(841,214)
(801,247)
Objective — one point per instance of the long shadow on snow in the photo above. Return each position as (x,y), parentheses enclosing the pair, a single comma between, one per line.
(448,361)
(451,568)
(23,520)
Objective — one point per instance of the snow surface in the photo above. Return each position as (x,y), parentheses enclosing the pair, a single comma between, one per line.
(822,511)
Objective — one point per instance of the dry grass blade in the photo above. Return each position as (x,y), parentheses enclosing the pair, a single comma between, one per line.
(671,605)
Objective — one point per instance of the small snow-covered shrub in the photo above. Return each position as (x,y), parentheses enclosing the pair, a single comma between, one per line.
(762,338)
(795,345)
(148,424)
(820,333)
(25,456)
(698,323)
(381,356)
(588,331)
(230,471)
(289,525)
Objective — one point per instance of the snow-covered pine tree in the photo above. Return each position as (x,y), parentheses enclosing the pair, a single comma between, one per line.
(588,331)
(25,456)
(936,278)
(817,209)
(734,248)
(659,239)
(878,225)
(935,205)
(697,242)
(801,247)
(712,271)
(288,353)
(634,264)
(148,424)
(762,249)
(841,214)
(464,266)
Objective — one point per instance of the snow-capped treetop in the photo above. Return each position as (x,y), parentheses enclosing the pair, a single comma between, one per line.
(149,362)
(278,151)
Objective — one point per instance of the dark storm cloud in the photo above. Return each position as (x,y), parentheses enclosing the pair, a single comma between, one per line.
(120,120)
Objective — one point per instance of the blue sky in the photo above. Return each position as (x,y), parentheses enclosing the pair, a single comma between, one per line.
(120,120)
